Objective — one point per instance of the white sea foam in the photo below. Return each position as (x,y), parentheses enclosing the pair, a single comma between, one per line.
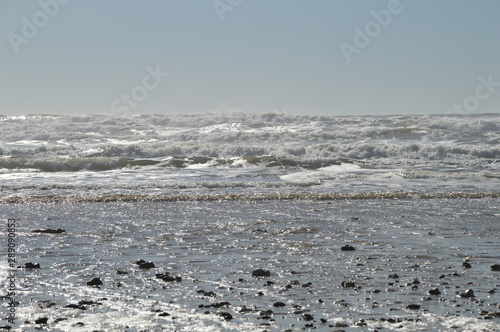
(259,147)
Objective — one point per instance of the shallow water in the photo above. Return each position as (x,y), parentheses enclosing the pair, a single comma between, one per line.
(213,244)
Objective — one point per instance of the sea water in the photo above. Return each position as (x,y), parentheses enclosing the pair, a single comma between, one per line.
(210,198)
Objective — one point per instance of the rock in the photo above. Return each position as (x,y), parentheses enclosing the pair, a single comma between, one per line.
(49,231)
(245,310)
(167,277)
(95,282)
(76,306)
(259,273)
(225,315)
(347,248)
(5,327)
(341,324)
(323,320)
(164,314)
(279,304)
(121,272)
(307,285)
(466,265)
(147,265)
(348,284)
(218,305)
(393,276)
(42,320)
(307,317)
(434,291)
(84,302)
(495,267)
(266,312)
(468,293)
(413,306)
(31,265)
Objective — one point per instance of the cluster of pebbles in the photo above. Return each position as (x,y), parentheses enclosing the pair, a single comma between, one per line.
(267,314)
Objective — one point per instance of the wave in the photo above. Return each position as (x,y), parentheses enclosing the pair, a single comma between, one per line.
(163,155)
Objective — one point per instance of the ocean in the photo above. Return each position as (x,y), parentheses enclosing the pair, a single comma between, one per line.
(357,223)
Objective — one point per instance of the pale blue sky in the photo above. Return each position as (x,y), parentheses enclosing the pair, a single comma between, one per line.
(265,55)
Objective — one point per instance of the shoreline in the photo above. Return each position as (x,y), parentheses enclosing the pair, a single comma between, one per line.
(108,198)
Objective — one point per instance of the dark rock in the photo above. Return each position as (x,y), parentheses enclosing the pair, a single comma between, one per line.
(307,317)
(468,293)
(347,248)
(323,320)
(466,265)
(340,324)
(434,291)
(245,310)
(42,320)
(84,302)
(31,265)
(393,276)
(307,285)
(266,312)
(413,306)
(211,294)
(49,231)
(6,327)
(140,261)
(269,283)
(167,277)
(348,284)
(495,267)
(259,273)
(76,306)
(121,272)
(223,304)
(95,282)
(164,314)
(279,304)
(225,315)
(147,265)
(260,293)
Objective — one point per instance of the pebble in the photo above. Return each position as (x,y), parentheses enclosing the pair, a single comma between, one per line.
(95,282)
(259,273)
(434,291)
(468,293)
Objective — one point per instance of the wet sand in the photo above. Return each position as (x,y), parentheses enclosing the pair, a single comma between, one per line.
(351,265)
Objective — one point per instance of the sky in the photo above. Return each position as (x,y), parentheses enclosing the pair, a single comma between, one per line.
(328,57)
